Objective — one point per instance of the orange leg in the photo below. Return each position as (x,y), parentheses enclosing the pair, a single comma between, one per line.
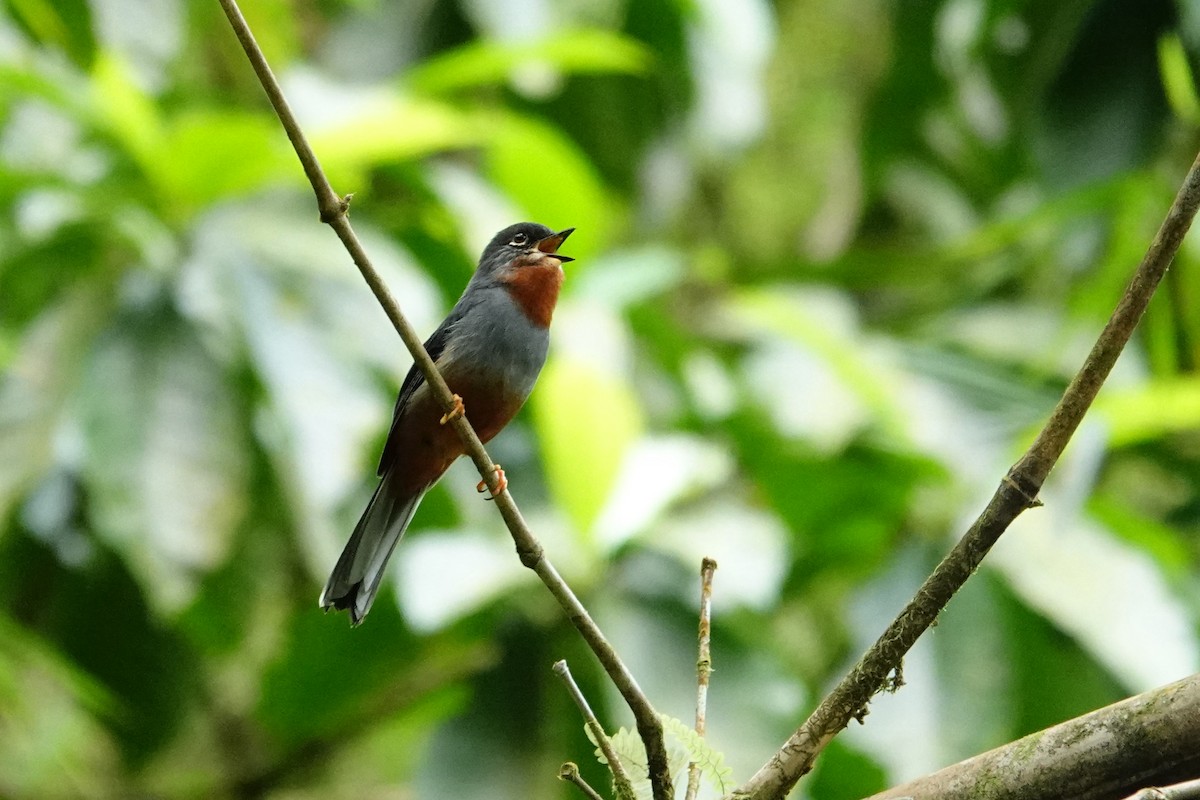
(501,483)
(456,412)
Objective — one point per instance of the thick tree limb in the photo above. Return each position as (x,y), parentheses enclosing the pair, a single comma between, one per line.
(1017,492)
(334,211)
(1104,755)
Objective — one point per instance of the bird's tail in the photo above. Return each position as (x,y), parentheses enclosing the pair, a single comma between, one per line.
(355,579)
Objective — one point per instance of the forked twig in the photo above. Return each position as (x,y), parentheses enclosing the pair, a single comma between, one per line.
(620,776)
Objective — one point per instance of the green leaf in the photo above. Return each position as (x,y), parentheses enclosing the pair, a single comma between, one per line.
(552,181)
(207,156)
(489,62)
(845,774)
(165,460)
(36,386)
(587,419)
(1161,542)
(66,24)
(683,746)
(126,112)
(700,752)
(54,745)
(381,126)
(1177,78)
(1149,411)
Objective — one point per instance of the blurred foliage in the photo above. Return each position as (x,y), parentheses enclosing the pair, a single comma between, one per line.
(836,262)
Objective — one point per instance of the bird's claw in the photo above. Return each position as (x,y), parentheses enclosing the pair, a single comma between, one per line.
(501,483)
(456,412)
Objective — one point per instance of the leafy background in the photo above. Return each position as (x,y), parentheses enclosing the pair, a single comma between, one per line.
(836,262)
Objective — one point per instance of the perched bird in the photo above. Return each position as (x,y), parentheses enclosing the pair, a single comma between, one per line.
(490,350)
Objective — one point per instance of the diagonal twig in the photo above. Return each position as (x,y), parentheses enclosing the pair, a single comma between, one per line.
(620,776)
(1017,492)
(334,212)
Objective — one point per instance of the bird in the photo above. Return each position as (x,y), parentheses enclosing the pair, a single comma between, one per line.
(490,349)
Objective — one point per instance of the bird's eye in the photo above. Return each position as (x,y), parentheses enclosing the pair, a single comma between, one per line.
(520,240)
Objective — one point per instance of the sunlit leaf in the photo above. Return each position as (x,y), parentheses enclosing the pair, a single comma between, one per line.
(149,41)
(166,460)
(65,24)
(488,62)
(276,28)
(1178,80)
(586,419)
(552,181)
(354,128)
(208,156)
(1140,413)
(125,111)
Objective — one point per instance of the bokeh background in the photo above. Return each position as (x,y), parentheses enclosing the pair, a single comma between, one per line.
(836,261)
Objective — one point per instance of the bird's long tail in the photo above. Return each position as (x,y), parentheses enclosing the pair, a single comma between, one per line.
(356,577)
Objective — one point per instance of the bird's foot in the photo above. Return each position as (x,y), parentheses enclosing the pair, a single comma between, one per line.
(501,483)
(456,412)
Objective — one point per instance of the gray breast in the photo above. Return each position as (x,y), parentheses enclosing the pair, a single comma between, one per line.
(495,337)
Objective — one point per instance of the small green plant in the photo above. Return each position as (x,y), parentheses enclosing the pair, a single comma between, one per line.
(684,747)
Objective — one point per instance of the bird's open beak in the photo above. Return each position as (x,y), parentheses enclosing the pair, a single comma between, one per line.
(551,244)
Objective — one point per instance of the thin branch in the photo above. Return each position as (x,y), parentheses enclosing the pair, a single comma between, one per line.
(569,772)
(1105,754)
(620,776)
(703,667)
(334,212)
(1017,492)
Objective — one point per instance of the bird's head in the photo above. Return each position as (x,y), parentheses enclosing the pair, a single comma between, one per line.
(526,244)
(524,259)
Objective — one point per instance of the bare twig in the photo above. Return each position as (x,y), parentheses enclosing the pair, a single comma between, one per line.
(703,667)
(620,776)
(334,211)
(1017,492)
(569,772)
(1154,737)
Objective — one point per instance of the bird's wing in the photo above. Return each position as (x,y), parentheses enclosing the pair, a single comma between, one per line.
(435,345)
